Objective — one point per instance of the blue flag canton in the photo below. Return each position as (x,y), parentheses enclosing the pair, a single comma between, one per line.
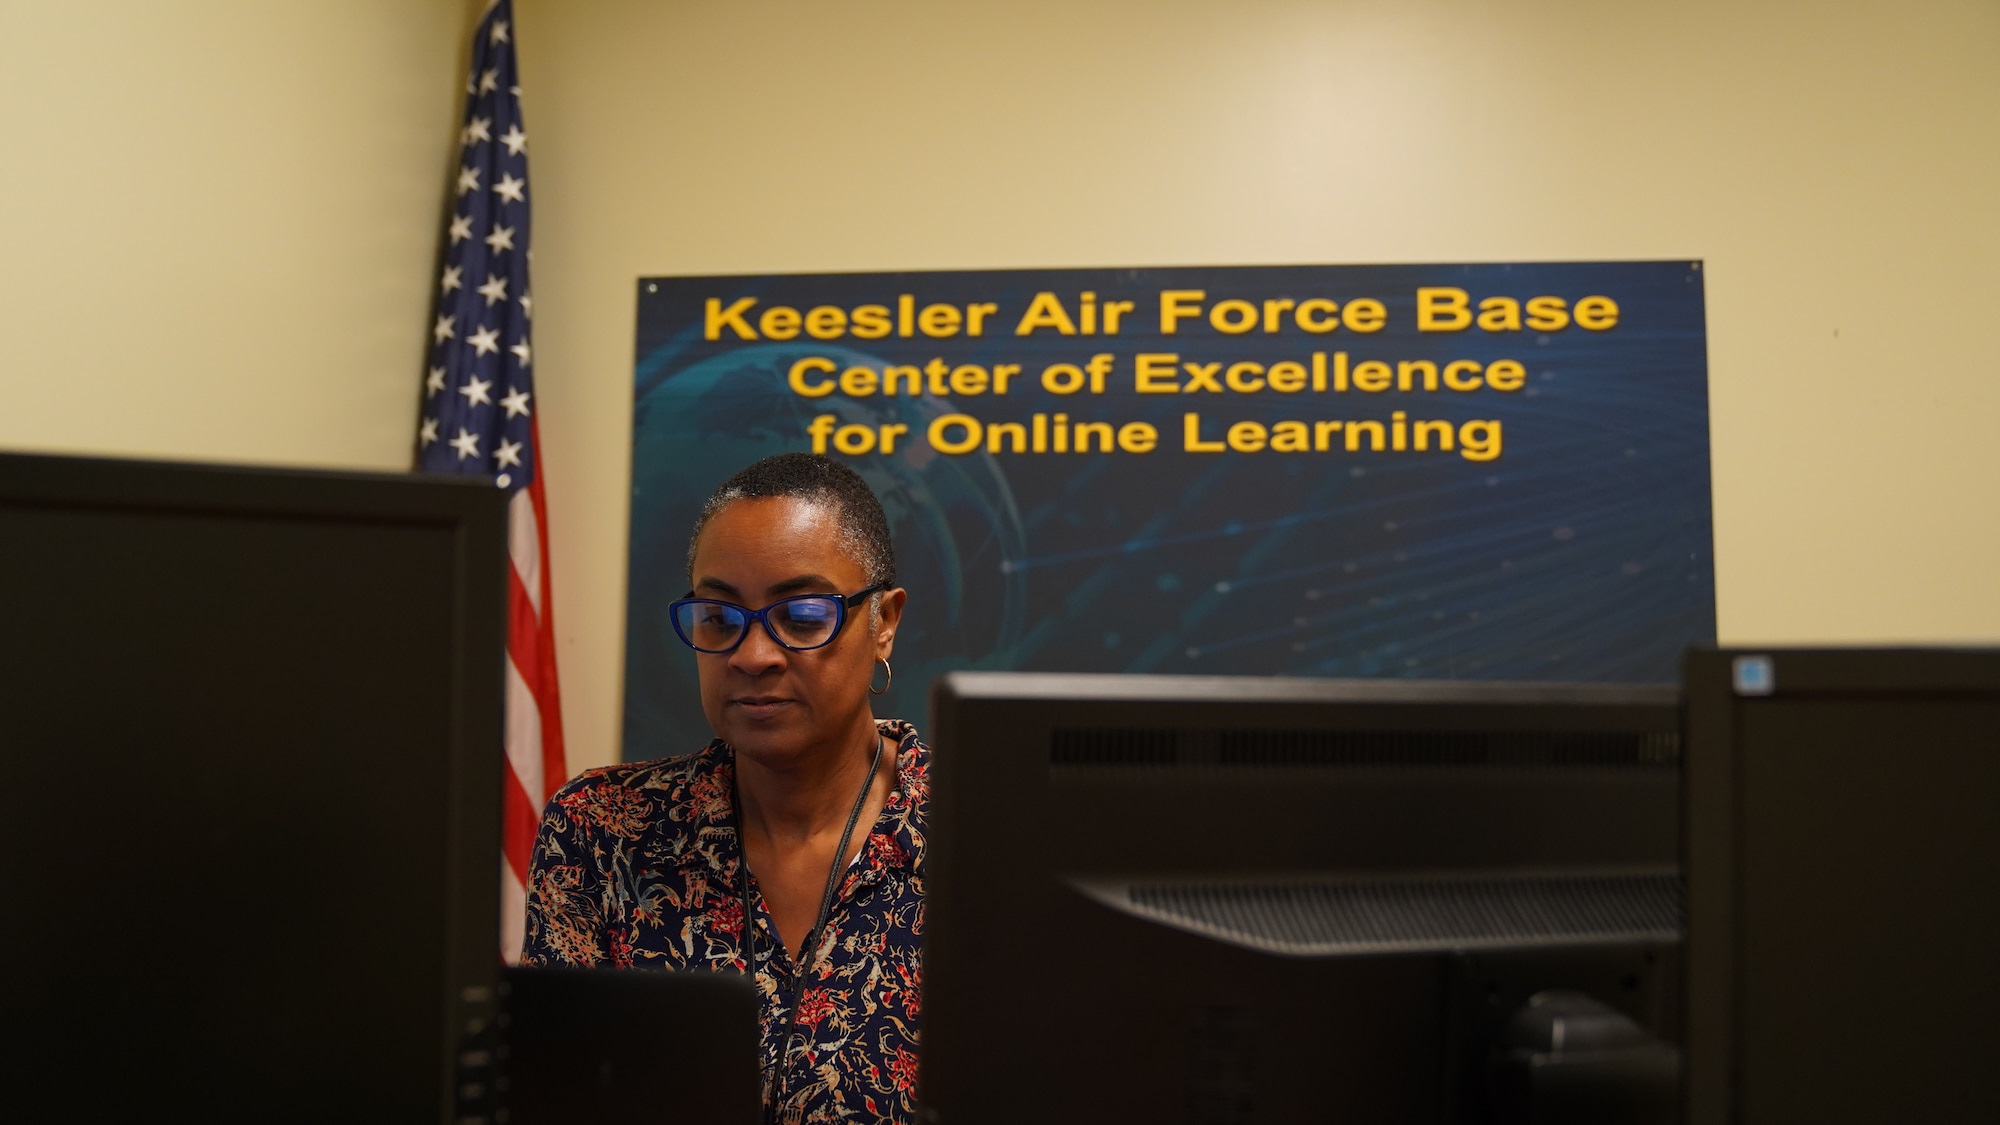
(478,407)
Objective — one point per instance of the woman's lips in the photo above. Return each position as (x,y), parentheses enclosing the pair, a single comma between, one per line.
(760,706)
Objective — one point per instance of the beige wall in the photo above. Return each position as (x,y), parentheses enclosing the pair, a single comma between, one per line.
(219,222)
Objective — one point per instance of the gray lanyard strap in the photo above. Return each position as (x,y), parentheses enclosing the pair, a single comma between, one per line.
(806,951)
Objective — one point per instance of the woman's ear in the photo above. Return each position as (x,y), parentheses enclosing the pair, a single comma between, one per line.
(890,616)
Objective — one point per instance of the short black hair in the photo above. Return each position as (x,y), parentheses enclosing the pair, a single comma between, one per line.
(864,529)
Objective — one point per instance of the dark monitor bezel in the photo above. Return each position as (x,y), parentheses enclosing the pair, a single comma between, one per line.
(476,514)
(1712,750)
(995,708)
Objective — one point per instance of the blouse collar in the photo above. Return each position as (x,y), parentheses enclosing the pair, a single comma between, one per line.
(895,841)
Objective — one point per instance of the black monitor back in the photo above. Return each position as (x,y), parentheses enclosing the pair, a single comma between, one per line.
(1843,859)
(249,792)
(1234,899)
(604,1045)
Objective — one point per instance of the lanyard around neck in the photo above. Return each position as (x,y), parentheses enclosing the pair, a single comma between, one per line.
(811,945)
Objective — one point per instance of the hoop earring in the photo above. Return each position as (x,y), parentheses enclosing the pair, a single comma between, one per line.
(885,683)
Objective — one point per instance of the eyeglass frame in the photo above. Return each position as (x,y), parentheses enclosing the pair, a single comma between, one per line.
(842,603)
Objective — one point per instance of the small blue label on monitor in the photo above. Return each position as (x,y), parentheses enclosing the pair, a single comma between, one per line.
(1753,675)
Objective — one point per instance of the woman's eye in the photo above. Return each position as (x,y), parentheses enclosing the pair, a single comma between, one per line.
(805,616)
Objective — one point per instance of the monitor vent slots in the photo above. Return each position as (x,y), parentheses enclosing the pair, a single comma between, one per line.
(1326,917)
(1363,749)
(1107,746)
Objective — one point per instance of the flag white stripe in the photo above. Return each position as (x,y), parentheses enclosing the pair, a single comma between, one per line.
(513,912)
(524,546)
(524,737)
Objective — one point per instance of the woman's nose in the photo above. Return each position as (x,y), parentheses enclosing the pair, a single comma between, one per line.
(759,652)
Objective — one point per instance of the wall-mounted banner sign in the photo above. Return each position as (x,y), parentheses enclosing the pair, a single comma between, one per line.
(1450,471)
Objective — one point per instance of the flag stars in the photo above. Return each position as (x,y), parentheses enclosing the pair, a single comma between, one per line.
(485,185)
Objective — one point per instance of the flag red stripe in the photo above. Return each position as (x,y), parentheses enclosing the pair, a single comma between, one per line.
(555,768)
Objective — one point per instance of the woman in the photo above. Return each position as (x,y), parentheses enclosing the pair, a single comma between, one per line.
(806,812)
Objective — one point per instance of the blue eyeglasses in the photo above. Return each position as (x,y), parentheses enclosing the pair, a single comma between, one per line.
(801,623)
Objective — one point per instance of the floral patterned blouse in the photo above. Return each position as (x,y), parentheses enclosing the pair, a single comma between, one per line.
(635,866)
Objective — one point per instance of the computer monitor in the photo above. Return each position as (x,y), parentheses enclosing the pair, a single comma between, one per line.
(1843,864)
(604,1045)
(1155,898)
(250,738)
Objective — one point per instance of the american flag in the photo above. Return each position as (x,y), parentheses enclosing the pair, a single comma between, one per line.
(479,417)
